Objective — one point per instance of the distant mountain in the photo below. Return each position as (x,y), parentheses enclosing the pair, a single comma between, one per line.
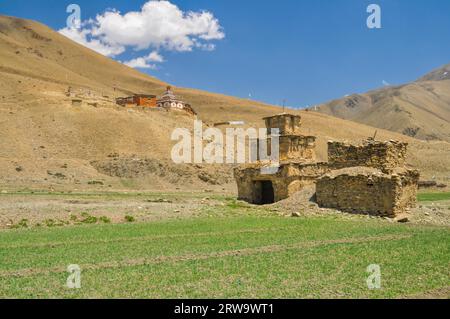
(420,109)
(440,74)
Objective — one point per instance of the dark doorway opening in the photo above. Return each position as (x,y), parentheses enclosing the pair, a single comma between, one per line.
(265,193)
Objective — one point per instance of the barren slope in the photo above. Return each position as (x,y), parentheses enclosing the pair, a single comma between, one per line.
(47,141)
(420,109)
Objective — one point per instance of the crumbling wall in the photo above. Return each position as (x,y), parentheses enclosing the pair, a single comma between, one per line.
(382,155)
(367,190)
(289,179)
(286,123)
(244,183)
(297,147)
(407,185)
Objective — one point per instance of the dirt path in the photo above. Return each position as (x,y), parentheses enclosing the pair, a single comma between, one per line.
(439,293)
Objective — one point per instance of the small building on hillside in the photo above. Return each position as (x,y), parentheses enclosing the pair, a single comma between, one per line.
(125,101)
(143,100)
(77,102)
(169,101)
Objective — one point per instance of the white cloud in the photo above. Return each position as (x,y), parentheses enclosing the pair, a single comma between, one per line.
(159,25)
(155,57)
(145,61)
(140,63)
(82,36)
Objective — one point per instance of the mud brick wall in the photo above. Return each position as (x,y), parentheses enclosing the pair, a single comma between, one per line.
(297,147)
(382,155)
(407,187)
(287,124)
(289,179)
(292,147)
(377,194)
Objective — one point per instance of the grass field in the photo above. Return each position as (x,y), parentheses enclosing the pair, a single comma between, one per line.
(429,197)
(226,257)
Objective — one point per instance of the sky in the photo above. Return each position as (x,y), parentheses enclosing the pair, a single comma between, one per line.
(303,52)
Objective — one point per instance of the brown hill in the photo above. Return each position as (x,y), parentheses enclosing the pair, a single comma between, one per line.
(440,74)
(420,109)
(47,142)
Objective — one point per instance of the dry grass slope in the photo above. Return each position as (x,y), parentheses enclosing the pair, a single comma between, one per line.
(48,142)
(420,109)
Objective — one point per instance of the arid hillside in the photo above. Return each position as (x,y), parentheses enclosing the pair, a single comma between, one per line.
(47,142)
(420,109)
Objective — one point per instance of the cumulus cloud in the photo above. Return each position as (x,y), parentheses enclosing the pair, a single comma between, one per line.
(159,25)
(145,62)
(155,57)
(83,37)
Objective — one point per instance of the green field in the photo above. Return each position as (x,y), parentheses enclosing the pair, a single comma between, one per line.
(429,197)
(226,257)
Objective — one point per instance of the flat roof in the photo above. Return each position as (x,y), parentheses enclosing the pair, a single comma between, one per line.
(145,95)
(281,115)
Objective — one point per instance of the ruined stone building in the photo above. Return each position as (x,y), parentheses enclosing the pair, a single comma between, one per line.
(293,145)
(298,166)
(385,156)
(369,178)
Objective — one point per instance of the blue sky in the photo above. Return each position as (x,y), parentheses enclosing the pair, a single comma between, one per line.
(303,51)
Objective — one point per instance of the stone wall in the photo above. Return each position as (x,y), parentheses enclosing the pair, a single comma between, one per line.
(290,178)
(368,190)
(406,196)
(382,155)
(297,147)
(287,124)
(292,147)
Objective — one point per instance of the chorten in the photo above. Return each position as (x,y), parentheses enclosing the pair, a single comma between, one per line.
(169,100)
